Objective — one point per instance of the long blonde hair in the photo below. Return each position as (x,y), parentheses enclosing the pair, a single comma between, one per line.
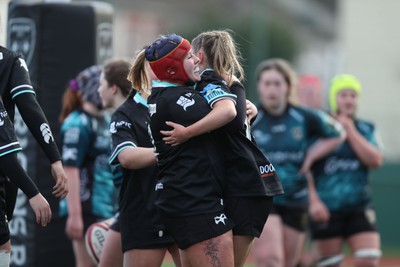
(221,52)
(138,75)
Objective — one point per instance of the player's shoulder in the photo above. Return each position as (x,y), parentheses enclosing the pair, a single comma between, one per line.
(77,118)
(7,55)
(365,125)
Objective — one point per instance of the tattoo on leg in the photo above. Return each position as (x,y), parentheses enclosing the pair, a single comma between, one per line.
(211,249)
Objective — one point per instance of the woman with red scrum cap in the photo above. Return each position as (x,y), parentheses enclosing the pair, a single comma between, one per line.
(143,239)
(189,191)
(343,211)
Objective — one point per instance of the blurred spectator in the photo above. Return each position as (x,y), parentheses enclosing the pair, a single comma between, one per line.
(85,152)
(284,133)
(341,208)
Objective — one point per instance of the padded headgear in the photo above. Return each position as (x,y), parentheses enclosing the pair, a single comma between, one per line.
(88,81)
(342,82)
(166,55)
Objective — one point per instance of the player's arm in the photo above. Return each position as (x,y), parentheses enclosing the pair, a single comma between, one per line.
(330,133)
(317,209)
(23,95)
(368,154)
(223,112)
(124,146)
(137,157)
(74,224)
(11,167)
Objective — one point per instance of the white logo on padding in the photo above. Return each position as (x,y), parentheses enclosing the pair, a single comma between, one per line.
(185,102)
(220,218)
(1,122)
(46,132)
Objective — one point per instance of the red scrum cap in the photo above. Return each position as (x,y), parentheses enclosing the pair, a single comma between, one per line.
(166,55)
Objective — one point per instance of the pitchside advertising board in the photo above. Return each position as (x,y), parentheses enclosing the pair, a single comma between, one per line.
(57,40)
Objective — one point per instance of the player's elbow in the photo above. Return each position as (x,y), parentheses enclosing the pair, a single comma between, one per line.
(231,113)
(124,160)
(376,161)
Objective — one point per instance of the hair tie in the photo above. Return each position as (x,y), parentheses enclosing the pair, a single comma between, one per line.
(73,84)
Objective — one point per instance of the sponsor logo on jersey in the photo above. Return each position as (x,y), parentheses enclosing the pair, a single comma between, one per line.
(112,128)
(212,92)
(297,133)
(152,109)
(282,156)
(3,115)
(278,128)
(72,136)
(70,153)
(123,123)
(46,133)
(159,186)
(266,170)
(23,64)
(185,102)
(220,219)
(334,164)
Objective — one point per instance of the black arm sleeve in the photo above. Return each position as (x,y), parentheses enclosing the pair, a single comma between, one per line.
(33,116)
(238,122)
(11,167)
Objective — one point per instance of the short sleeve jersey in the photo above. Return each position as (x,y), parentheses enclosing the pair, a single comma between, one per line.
(285,139)
(129,129)
(247,171)
(341,179)
(14,78)
(191,174)
(8,140)
(87,145)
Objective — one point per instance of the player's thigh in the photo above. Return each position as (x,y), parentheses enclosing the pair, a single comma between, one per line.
(217,251)
(329,246)
(271,239)
(112,250)
(144,257)
(293,244)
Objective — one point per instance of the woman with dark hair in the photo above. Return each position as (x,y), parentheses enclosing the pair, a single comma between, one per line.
(284,133)
(85,151)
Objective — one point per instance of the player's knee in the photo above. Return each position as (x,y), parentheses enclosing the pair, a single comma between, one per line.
(269,260)
(4,258)
(367,257)
(330,261)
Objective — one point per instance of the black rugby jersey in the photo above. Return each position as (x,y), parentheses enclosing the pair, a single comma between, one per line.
(129,129)
(16,88)
(247,171)
(8,140)
(191,174)
(14,78)
(285,139)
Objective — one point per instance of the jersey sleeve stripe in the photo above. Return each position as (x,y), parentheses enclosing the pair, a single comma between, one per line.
(227,96)
(23,92)
(2,153)
(21,86)
(118,149)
